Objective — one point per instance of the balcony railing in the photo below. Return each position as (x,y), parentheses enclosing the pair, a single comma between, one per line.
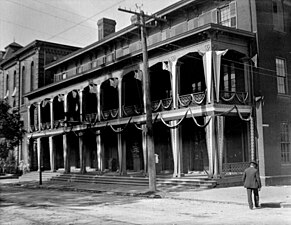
(191,99)
(184,101)
(234,98)
(234,168)
(109,114)
(90,118)
(132,110)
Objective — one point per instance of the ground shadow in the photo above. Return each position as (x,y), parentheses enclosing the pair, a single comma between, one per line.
(271,205)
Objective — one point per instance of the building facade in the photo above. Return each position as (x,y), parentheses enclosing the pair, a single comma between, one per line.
(211,102)
(22,71)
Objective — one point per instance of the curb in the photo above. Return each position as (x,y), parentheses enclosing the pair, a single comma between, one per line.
(64,188)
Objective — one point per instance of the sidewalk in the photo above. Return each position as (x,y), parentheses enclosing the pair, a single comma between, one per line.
(270,196)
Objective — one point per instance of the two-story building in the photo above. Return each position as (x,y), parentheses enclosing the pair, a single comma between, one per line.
(212,100)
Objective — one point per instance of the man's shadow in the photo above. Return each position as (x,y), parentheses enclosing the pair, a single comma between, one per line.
(271,205)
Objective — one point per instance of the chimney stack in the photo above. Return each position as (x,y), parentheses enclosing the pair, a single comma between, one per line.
(105,27)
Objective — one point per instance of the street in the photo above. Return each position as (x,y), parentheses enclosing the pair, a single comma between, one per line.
(40,206)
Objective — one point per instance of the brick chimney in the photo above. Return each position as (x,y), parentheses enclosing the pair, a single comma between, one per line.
(105,27)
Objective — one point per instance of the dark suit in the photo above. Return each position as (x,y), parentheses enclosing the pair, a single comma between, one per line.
(252,183)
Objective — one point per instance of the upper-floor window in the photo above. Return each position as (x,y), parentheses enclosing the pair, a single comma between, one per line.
(23,83)
(229,82)
(278,15)
(281,76)
(285,143)
(7,86)
(32,75)
(227,15)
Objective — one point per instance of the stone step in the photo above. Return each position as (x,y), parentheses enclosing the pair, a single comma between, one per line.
(34,176)
(139,181)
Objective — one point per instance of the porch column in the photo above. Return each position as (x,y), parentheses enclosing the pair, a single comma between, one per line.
(66,107)
(144,148)
(82,153)
(260,138)
(216,70)
(52,154)
(220,122)
(100,152)
(119,89)
(247,77)
(52,112)
(175,71)
(39,115)
(211,147)
(66,154)
(81,104)
(252,137)
(39,153)
(98,95)
(177,150)
(28,118)
(121,145)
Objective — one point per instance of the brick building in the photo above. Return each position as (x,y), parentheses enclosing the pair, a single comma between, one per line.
(22,71)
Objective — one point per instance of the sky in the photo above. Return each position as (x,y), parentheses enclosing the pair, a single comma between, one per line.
(71,22)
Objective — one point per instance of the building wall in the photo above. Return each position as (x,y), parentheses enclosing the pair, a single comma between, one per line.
(277,107)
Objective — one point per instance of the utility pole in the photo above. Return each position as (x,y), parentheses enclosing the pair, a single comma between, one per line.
(148,104)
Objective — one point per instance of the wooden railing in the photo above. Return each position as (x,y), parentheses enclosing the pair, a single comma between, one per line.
(234,168)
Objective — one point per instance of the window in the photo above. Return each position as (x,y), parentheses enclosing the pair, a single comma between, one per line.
(285,143)
(229,82)
(281,76)
(23,84)
(227,15)
(278,15)
(31,76)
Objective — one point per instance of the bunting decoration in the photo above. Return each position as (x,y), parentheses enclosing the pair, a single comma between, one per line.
(138,75)
(216,69)
(166,66)
(207,65)
(14,92)
(93,88)
(7,94)
(44,102)
(113,82)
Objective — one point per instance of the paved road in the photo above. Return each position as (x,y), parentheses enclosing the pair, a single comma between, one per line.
(39,206)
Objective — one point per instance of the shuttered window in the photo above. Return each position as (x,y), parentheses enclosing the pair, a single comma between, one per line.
(227,15)
(285,143)
(281,76)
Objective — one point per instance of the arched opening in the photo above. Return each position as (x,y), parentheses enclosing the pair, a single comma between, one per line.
(90,103)
(45,114)
(73,113)
(58,106)
(33,118)
(132,96)
(232,78)
(109,99)
(160,83)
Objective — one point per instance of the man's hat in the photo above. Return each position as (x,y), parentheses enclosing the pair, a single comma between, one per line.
(253,162)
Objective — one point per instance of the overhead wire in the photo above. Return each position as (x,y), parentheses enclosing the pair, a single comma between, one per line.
(38,31)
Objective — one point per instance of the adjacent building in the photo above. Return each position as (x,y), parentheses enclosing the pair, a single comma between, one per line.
(22,71)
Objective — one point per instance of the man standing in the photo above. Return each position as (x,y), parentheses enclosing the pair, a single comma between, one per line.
(252,183)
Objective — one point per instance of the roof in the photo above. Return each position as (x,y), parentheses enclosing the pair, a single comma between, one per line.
(32,45)
(117,34)
(14,44)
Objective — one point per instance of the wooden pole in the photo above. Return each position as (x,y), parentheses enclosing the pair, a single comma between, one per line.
(148,104)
